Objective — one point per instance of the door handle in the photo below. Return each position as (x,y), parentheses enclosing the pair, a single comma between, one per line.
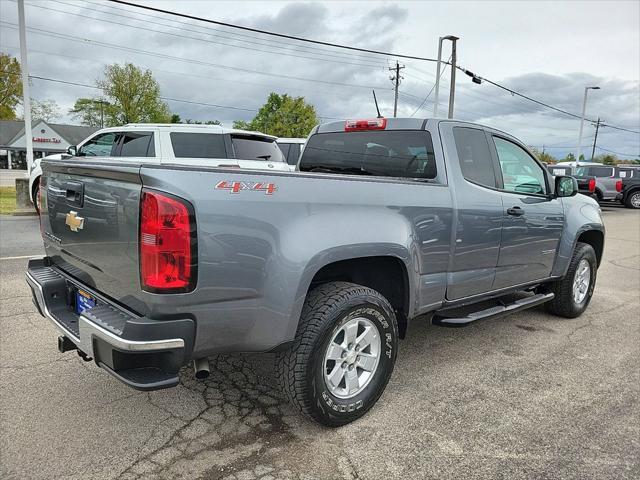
(515,211)
(74,193)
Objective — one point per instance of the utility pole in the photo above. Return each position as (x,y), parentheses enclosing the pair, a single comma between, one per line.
(584,111)
(26,98)
(396,78)
(593,150)
(452,89)
(437,86)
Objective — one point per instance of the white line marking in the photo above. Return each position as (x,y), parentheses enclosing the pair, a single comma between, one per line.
(21,257)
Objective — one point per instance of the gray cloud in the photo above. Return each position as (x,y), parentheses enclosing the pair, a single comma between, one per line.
(383,27)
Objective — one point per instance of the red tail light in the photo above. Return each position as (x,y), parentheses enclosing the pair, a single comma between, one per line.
(592,185)
(619,186)
(167,244)
(360,125)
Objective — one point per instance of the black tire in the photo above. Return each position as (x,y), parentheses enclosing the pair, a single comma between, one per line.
(564,304)
(633,197)
(300,369)
(36,193)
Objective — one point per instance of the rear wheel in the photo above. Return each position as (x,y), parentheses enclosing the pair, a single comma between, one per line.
(573,292)
(633,200)
(344,353)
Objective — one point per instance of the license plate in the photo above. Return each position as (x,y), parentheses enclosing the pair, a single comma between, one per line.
(84,301)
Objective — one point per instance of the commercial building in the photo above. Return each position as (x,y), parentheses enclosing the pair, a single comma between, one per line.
(47,138)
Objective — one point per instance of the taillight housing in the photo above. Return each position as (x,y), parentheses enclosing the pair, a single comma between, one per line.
(619,186)
(361,125)
(592,185)
(168,256)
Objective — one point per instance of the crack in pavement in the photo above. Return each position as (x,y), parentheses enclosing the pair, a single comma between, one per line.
(236,435)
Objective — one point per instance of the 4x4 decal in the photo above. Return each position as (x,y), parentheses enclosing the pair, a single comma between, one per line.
(237,187)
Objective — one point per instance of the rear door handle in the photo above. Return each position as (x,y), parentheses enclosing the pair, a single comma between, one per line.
(515,211)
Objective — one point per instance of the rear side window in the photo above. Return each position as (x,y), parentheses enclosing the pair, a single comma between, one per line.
(294,154)
(198,145)
(256,148)
(391,153)
(137,144)
(474,156)
(601,171)
(286,148)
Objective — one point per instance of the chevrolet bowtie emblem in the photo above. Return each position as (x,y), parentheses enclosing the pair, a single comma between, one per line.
(74,221)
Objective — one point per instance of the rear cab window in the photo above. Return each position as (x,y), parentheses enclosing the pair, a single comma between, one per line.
(626,173)
(389,153)
(198,145)
(255,147)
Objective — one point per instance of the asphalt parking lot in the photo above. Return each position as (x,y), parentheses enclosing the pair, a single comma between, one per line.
(524,396)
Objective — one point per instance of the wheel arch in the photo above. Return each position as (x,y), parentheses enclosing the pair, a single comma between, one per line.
(387,274)
(595,238)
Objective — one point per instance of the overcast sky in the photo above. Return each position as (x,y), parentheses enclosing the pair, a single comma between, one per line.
(547,50)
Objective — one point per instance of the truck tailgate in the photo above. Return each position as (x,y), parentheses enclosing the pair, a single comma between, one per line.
(90,223)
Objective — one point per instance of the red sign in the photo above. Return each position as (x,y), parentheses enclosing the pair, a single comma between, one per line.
(46,140)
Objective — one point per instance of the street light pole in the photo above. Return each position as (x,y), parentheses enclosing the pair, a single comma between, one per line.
(26,98)
(437,86)
(584,110)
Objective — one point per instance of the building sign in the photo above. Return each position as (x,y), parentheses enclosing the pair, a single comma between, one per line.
(46,140)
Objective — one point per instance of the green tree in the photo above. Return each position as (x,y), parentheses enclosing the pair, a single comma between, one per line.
(200,122)
(608,159)
(10,86)
(47,110)
(282,116)
(570,158)
(93,112)
(132,96)
(544,156)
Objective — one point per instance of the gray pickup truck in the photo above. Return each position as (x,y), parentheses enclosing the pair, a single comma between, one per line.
(151,267)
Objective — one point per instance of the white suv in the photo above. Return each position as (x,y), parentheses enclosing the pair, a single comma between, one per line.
(174,143)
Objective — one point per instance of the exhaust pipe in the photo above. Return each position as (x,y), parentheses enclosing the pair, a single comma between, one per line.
(201,367)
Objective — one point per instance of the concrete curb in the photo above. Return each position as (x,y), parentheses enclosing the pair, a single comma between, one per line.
(24,213)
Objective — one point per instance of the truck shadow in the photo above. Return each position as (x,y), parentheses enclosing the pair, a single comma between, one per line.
(244,421)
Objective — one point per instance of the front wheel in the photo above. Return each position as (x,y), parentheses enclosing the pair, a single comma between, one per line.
(343,354)
(633,200)
(573,292)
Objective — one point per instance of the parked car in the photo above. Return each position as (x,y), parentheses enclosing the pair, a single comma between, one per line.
(629,194)
(151,266)
(586,184)
(608,183)
(175,143)
(291,148)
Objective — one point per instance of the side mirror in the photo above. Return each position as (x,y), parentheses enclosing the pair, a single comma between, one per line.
(72,150)
(566,186)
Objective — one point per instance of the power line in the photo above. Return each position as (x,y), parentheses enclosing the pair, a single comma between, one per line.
(430,91)
(275,34)
(227,34)
(332,59)
(513,92)
(50,33)
(618,153)
(171,99)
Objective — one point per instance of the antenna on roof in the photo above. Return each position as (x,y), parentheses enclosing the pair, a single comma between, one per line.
(376,102)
